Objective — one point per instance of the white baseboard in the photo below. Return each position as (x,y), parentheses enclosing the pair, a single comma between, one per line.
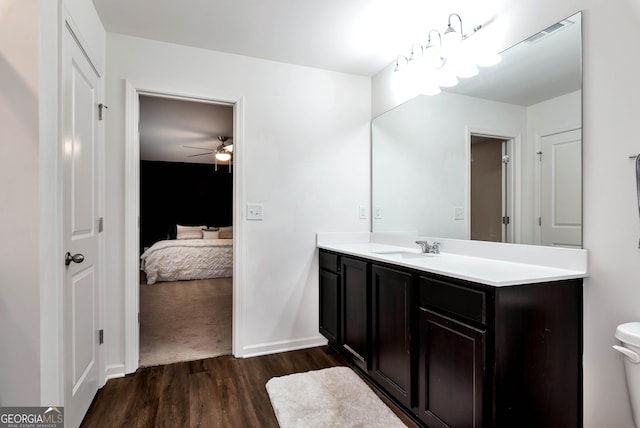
(281,346)
(113,371)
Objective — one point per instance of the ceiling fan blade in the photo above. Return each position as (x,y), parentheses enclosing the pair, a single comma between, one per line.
(199,148)
(200,154)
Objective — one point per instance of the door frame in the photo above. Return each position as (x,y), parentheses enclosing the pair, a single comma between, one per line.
(133,89)
(514,170)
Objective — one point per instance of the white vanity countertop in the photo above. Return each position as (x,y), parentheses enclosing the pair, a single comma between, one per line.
(483,270)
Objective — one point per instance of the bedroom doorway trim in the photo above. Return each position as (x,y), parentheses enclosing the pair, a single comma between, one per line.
(133,90)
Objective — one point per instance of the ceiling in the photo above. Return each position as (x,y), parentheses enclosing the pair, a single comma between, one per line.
(168,125)
(354,36)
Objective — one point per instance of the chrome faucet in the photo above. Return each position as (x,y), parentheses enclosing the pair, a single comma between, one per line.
(429,248)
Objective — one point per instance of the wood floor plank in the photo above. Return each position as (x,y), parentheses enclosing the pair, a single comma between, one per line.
(174,401)
(215,392)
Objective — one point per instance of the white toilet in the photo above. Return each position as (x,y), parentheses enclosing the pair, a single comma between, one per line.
(629,336)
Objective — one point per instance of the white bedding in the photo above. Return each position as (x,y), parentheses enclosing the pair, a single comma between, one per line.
(186,259)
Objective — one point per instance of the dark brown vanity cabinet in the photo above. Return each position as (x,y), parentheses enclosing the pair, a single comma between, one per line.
(392,294)
(454,353)
(451,361)
(500,356)
(344,306)
(330,322)
(355,310)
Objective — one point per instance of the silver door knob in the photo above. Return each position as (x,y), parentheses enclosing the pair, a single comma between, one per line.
(76,258)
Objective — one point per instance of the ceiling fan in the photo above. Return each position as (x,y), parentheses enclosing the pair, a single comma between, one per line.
(223,151)
(225,147)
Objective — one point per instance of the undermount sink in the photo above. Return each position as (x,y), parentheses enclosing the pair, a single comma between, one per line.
(404,254)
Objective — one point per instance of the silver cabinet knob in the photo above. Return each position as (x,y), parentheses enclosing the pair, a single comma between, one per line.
(76,258)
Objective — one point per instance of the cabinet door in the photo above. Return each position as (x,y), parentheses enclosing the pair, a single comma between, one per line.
(355,314)
(391,320)
(451,372)
(330,305)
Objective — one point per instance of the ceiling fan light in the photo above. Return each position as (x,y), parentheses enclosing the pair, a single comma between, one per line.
(228,147)
(223,156)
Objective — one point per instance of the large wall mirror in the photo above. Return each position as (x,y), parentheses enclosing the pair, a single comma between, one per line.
(496,158)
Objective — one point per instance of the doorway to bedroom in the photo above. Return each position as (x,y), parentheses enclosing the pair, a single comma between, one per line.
(185,229)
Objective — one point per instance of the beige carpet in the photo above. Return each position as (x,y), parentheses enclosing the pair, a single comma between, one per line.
(333,397)
(185,320)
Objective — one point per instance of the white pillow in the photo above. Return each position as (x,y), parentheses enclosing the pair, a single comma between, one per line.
(226,232)
(210,234)
(189,232)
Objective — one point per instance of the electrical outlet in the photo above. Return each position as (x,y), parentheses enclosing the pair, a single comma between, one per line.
(254,211)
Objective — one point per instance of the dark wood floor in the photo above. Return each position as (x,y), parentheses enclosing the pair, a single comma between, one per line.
(216,392)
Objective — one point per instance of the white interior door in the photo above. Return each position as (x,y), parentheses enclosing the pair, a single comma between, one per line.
(560,189)
(81,92)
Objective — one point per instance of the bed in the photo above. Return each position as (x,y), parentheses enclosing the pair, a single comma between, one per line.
(185,259)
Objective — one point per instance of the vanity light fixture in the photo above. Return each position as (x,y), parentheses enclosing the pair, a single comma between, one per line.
(405,63)
(441,61)
(463,36)
(433,52)
(461,61)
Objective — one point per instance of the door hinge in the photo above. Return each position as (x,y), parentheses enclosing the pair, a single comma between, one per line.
(539,221)
(539,156)
(505,220)
(100,336)
(101,108)
(100,224)
(506,159)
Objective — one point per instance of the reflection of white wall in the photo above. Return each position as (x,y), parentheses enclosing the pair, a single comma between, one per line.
(559,114)
(420,160)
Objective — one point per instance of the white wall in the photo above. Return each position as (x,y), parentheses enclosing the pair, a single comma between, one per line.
(420,160)
(19,220)
(305,158)
(611,224)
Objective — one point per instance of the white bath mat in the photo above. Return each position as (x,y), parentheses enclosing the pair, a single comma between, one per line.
(333,397)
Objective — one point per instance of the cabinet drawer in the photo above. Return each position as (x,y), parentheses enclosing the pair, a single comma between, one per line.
(329,261)
(457,300)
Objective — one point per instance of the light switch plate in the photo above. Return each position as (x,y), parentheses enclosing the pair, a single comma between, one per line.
(458,213)
(362,210)
(254,211)
(377,212)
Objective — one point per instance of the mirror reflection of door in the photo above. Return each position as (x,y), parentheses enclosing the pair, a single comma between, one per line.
(488,216)
(560,189)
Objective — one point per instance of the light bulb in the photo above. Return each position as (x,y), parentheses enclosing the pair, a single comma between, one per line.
(446,78)
(489,60)
(466,69)
(430,88)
